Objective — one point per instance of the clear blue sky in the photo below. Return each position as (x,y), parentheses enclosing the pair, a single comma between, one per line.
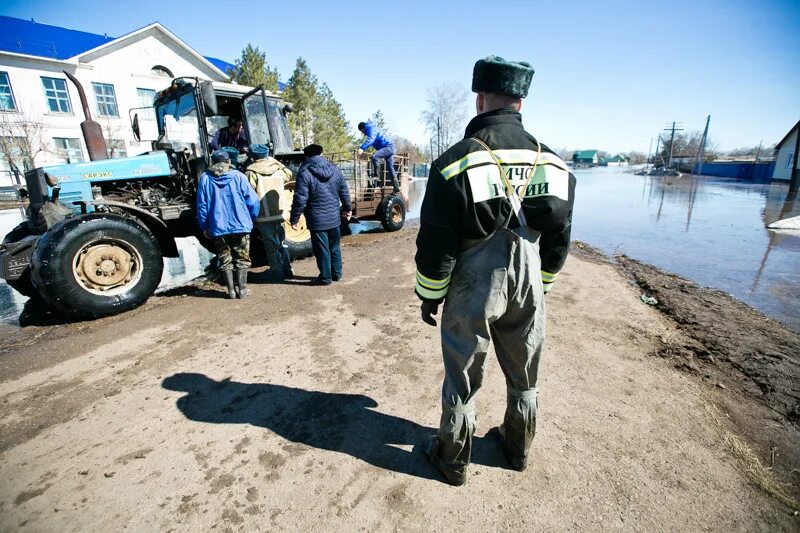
(609,75)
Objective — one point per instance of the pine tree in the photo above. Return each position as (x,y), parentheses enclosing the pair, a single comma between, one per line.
(252,69)
(379,120)
(331,129)
(301,90)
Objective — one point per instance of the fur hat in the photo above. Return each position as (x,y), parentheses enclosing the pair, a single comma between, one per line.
(312,149)
(495,75)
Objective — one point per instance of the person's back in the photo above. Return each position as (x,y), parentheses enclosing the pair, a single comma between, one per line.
(268,177)
(494,232)
(226,206)
(321,187)
(321,193)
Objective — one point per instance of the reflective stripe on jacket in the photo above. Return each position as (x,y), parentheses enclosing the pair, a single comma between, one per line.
(466,199)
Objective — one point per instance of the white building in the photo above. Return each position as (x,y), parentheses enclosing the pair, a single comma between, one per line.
(39,103)
(785,155)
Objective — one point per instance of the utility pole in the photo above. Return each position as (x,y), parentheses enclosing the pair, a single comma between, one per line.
(673,129)
(758,152)
(438,137)
(701,150)
(658,143)
(649,150)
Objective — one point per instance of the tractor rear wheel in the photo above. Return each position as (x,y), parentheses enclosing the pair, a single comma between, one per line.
(97,264)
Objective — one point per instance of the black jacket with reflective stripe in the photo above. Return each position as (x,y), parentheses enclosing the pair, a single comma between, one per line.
(465,198)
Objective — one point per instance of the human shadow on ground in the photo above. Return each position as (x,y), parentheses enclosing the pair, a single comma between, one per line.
(339,422)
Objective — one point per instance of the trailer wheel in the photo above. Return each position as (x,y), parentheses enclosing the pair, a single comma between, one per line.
(392,213)
(96,265)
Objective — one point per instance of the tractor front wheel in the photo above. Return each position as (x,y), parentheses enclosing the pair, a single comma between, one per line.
(95,265)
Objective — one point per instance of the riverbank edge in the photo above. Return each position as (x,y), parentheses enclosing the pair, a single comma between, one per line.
(749,362)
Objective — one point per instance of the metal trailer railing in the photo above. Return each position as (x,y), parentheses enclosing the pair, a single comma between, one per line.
(367,191)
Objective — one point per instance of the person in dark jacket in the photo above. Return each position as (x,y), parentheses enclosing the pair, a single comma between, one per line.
(321,194)
(232,136)
(494,233)
(384,149)
(226,207)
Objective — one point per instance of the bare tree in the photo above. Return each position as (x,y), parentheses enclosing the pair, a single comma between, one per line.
(113,138)
(22,139)
(446,114)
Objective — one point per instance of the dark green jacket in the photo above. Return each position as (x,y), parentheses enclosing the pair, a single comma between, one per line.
(465,199)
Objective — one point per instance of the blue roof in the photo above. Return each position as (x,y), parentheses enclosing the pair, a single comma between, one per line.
(42,40)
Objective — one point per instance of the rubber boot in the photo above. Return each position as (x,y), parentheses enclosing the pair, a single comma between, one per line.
(241,287)
(229,284)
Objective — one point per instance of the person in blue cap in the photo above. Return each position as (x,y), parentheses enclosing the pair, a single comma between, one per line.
(384,149)
(226,206)
(268,176)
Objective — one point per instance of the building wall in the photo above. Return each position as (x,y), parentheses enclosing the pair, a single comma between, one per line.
(783,162)
(127,68)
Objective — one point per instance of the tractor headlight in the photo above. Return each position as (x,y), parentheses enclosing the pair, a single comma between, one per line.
(51,180)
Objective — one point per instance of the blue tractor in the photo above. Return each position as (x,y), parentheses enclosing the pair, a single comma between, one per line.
(96,233)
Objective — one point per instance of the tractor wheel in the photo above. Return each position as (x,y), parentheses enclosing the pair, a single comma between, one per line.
(297,241)
(392,213)
(96,265)
(22,284)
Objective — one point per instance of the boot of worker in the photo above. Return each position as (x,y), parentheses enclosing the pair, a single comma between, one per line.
(454,475)
(241,283)
(229,284)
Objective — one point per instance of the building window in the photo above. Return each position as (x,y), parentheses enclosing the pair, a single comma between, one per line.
(55,90)
(115,148)
(69,150)
(145,98)
(6,95)
(106,100)
(158,70)
(790,158)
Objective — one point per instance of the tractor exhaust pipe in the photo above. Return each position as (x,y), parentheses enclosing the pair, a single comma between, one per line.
(92,132)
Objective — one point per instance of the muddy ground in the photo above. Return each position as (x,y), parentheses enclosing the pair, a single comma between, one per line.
(302,408)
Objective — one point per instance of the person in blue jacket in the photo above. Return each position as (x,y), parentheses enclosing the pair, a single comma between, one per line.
(384,149)
(226,207)
(321,193)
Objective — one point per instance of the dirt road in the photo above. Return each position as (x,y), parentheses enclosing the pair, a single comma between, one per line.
(301,408)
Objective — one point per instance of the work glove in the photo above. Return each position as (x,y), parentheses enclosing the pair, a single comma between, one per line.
(428,309)
(360,151)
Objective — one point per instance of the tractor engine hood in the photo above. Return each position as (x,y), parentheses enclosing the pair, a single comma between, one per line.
(150,165)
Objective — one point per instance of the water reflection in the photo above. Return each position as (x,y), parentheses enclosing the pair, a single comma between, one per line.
(711,230)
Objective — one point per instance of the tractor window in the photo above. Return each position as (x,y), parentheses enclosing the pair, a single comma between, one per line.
(279,126)
(256,119)
(180,126)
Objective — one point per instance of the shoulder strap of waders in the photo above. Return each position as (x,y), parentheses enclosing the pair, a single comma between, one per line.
(511,193)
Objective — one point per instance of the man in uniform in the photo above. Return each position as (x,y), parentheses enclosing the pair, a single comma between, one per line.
(268,176)
(495,230)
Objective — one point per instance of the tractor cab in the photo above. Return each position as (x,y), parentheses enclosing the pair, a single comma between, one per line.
(189,113)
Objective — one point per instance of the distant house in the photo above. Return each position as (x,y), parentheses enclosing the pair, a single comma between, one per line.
(618,160)
(585,157)
(785,156)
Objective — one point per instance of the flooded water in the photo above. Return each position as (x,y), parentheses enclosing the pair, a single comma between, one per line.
(711,230)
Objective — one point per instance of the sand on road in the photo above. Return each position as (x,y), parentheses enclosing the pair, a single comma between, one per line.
(302,408)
